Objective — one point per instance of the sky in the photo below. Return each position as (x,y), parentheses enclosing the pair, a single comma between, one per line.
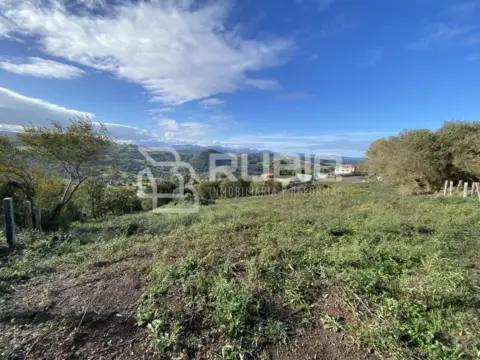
(316,76)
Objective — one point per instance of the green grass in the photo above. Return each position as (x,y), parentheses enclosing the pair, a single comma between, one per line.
(247,273)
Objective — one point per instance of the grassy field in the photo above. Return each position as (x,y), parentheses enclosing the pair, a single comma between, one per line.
(375,274)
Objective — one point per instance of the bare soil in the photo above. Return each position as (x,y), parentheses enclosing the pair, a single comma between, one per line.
(93,316)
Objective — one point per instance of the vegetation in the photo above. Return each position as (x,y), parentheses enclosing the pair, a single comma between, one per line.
(422,160)
(241,279)
(76,147)
(250,273)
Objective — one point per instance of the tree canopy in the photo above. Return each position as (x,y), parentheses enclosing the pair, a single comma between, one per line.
(423,159)
(77,147)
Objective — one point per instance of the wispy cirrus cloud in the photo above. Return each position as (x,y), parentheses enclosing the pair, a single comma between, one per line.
(177,50)
(263,84)
(442,34)
(42,68)
(455,24)
(460,9)
(212,102)
(161,110)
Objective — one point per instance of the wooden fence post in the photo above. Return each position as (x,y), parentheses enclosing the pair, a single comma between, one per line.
(38,219)
(27,212)
(451,187)
(9,222)
(465,190)
(445,189)
(459,185)
(476,186)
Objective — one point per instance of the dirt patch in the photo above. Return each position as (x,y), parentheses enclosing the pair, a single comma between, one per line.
(320,341)
(319,344)
(93,316)
(88,317)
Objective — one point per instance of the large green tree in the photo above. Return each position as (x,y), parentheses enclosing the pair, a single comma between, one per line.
(18,173)
(77,147)
(423,159)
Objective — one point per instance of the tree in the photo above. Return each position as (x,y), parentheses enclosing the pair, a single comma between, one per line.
(423,160)
(121,200)
(92,196)
(77,147)
(459,141)
(17,172)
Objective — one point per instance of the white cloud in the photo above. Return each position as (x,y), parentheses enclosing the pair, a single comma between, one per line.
(17,109)
(11,128)
(161,110)
(221,117)
(264,84)
(169,124)
(346,144)
(179,51)
(183,130)
(441,34)
(131,134)
(212,102)
(42,68)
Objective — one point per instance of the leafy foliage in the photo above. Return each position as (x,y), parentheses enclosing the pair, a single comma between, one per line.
(422,160)
(77,147)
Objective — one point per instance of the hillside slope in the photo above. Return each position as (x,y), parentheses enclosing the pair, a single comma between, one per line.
(282,277)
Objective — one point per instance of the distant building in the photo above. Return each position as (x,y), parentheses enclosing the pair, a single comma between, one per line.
(303,178)
(319,176)
(344,169)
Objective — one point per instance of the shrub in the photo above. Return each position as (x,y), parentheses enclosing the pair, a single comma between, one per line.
(265,187)
(231,189)
(209,189)
(122,200)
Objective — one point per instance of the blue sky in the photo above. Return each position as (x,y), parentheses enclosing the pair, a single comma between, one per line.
(325,76)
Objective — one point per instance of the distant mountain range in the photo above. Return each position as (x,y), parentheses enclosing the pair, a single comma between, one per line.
(197,148)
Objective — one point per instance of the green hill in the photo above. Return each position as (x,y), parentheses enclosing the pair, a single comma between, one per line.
(351,270)
(201,161)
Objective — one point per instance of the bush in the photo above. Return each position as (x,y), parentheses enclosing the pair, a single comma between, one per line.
(265,188)
(209,189)
(421,160)
(121,200)
(231,189)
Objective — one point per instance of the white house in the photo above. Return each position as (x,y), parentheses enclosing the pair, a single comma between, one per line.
(345,169)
